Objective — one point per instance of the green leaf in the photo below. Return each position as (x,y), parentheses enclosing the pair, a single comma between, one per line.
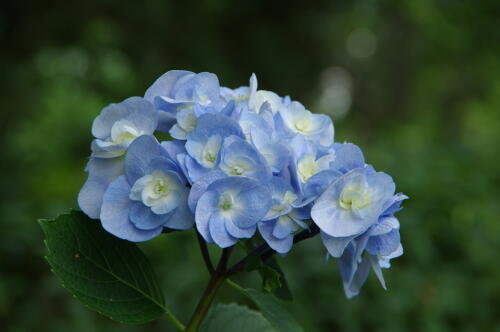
(235,318)
(109,275)
(270,279)
(271,308)
(283,291)
(273,277)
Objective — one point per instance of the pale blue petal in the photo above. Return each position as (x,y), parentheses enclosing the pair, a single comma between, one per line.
(139,155)
(181,218)
(378,271)
(236,150)
(336,221)
(143,218)
(335,245)
(101,173)
(174,148)
(353,286)
(384,225)
(283,227)
(255,200)
(281,246)
(115,213)
(318,183)
(194,170)
(164,84)
(137,110)
(218,232)
(165,120)
(214,124)
(199,187)
(204,210)
(384,244)
(347,157)
(394,205)
(237,232)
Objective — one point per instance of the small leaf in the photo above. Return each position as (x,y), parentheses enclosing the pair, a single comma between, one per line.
(283,291)
(273,277)
(235,318)
(109,275)
(270,279)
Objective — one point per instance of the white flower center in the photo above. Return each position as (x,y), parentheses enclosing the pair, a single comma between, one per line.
(354,197)
(226,202)
(307,167)
(158,190)
(124,131)
(210,151)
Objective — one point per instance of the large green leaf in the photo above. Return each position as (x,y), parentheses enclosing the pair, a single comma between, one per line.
(109,275)
(272,309)
(235,318)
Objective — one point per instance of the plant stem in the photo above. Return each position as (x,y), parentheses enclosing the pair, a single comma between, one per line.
(216,280)
(205,253)
(264,251)
(175,321)
(221,273)
(206,300)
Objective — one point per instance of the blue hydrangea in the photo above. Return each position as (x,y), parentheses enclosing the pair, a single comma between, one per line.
(240,160)
(114,130)
(230,209)
(151,195)
(285,217)
(178,93)
(371,250)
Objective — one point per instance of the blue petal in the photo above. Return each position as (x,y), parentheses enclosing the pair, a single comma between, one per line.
(143,218)
(394,205)
(281,246)
(204,210)
(384,244)
(135,109)
(335,245)
(198,188)
(164,84)
(165,120)
(378,271)
(255,200)
(199,88)
(384,225)
(318,183)
(353,286)
(115,213)
(174,148)
(195,171)
(234,150)
(339,222)
(139,155)
(347,157)
(182,218)
(219,233)
(237,232)
(214,124)
(284,227)
(101,173)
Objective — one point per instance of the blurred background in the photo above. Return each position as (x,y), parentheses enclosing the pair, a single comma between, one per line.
(415,83)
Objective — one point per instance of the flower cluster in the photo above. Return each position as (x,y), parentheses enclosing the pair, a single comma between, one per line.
(239,161)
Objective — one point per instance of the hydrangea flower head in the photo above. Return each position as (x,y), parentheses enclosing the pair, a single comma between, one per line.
(240,160)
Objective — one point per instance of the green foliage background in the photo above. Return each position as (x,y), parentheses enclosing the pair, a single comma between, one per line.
(425,108)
